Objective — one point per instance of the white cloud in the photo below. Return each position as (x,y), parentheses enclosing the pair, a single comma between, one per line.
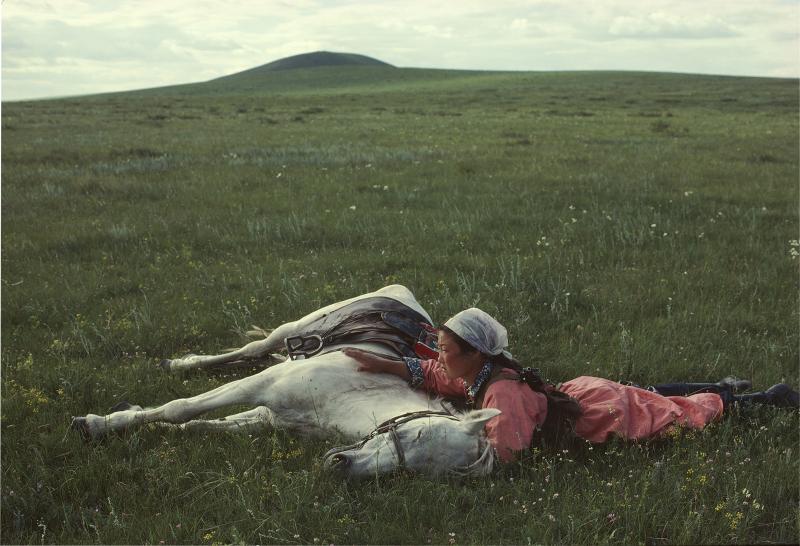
(665,25)
(433,31)
(519,24)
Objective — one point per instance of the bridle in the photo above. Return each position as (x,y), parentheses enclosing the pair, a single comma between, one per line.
(390,426)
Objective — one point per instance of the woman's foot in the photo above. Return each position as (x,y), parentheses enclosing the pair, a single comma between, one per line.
(784,396)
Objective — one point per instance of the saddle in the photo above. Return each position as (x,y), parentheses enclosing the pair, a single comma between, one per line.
(377,320)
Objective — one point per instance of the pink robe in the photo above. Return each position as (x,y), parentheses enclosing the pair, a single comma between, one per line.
(609,408)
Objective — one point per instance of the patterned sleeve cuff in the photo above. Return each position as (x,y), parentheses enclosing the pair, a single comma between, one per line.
(414,368)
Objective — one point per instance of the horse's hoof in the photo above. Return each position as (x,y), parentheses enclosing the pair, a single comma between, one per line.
(165,364)
(82,426)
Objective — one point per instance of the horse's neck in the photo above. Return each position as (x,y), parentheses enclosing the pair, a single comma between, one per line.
(361,411)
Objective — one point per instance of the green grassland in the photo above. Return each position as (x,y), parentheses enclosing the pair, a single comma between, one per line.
(635,226)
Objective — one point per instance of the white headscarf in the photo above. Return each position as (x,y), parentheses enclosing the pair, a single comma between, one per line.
(480,330)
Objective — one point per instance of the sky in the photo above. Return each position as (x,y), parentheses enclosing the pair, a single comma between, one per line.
(56,48)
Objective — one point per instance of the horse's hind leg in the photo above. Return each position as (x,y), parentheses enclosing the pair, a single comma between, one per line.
(255,419)
(244,391)
(253,351)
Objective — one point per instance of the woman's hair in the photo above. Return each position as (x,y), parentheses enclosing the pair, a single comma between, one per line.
(562,409)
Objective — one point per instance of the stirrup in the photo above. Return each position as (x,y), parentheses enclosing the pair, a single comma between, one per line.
(295,344)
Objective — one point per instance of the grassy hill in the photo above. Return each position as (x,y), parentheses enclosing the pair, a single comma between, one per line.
(323,80)
(313,60)
(321,69)
(332,74)
(636,226)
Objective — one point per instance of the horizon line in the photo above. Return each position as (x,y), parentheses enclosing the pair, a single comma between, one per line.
(393,67)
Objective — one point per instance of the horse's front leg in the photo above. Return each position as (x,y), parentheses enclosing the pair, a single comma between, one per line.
(253,351)
(245,391)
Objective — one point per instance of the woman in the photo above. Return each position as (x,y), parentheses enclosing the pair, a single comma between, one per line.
(474,365)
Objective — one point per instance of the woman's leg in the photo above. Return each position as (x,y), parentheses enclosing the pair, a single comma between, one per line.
(780,395)
(728,385)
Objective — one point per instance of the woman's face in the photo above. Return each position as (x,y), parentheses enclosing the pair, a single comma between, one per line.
(456,363)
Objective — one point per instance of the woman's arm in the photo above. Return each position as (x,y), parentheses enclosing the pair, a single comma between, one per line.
(424,374)
(375,363)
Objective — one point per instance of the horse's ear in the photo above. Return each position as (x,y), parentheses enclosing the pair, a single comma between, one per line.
(475,420)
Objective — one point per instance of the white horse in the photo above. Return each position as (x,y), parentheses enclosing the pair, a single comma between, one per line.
(326,396)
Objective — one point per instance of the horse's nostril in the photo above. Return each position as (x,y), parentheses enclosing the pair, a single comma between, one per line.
(340,461)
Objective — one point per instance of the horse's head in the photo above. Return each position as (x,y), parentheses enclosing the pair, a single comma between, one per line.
(426,442)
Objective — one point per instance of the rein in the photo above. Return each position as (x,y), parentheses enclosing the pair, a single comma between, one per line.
(390,426)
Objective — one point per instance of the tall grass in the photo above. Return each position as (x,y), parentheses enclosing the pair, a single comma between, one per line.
(632,226)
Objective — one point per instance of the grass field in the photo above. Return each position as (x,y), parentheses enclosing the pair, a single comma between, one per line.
(635,226)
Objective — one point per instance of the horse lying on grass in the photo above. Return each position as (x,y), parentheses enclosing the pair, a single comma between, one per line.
(324,394)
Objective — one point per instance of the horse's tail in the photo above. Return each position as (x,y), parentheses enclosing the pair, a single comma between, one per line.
(258,332)
(255,333)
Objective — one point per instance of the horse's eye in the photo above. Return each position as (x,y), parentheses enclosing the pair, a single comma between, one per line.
(418,435)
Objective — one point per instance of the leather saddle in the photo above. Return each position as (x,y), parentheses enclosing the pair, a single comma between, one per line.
(377,320)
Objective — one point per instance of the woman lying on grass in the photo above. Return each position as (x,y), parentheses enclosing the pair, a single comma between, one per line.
(474,366)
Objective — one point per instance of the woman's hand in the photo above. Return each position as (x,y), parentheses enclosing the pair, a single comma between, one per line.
(375,363)
(367,361)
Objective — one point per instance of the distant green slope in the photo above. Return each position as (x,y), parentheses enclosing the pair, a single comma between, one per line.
(325,73)
(310,60)
(595,89)
(322,80)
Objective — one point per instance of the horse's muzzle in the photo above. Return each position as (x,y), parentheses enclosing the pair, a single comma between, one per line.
(337,462)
